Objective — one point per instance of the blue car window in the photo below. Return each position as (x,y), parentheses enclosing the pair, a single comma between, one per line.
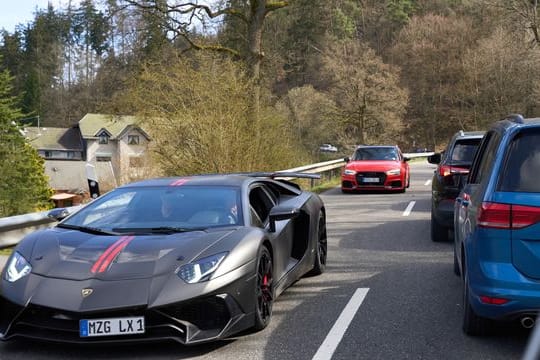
(485,159)
(522,167)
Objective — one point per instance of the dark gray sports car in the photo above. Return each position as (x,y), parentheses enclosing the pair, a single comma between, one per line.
(191,259)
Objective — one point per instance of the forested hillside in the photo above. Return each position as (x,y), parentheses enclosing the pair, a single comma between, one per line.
(259,84)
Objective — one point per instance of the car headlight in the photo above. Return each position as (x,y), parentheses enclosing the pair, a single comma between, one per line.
(17,268)
(200,270)
(349,172)
(393,172)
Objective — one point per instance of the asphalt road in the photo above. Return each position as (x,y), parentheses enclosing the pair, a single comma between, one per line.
(388,293)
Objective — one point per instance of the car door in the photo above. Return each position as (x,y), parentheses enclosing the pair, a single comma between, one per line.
(470,199)
(261,201)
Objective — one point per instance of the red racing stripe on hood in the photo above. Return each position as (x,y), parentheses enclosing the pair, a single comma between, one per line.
(110,253)
(178,182)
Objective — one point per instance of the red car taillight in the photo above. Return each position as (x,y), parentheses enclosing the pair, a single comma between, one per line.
(446,170)
(507,216)
(523,216)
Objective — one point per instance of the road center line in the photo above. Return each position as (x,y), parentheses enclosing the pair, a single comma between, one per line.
(329,345)
(407,211)
(427,182)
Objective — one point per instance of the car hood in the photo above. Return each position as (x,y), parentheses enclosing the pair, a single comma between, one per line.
(373,165)
(75,255)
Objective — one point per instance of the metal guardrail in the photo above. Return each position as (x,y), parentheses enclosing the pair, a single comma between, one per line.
(14,228)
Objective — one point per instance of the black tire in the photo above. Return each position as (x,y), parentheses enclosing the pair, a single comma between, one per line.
(473,325)
(438,232)
(456,265)
(319,264)
(264,289)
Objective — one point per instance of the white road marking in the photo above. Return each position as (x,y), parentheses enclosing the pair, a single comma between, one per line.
(407,211)
(329,345)
(428,182)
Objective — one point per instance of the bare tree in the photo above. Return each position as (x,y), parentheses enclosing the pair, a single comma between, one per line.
(370,102)
(430,50)
(182,17)
(197,113)
(523,12)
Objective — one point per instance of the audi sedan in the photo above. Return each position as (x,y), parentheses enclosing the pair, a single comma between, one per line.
(376,167)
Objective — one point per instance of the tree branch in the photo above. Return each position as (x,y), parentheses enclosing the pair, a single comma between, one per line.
(275,5)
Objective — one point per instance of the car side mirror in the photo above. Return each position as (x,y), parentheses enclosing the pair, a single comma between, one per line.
(406,159)
(434,159)
(347,159)
(58,214)
(279,213)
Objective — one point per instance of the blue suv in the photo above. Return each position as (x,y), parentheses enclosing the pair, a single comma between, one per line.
(497,228)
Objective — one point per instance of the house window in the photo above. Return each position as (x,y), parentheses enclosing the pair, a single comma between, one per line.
(103,139)
(103,158)
(133,139)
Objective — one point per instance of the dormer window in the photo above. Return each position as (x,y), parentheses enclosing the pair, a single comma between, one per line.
(133,139)
(103,137)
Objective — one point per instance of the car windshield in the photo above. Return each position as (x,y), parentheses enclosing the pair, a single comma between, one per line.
(376,153)
(164,209)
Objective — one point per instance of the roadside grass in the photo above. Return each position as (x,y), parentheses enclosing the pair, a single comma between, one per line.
(6,251)
(327,185)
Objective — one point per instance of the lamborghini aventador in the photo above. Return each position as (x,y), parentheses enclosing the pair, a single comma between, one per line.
(191,259)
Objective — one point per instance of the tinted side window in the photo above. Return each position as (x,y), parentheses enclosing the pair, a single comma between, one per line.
(260,202)
(483,162)
(522,164)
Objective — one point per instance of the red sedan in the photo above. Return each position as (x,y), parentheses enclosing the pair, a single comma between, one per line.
(376,168)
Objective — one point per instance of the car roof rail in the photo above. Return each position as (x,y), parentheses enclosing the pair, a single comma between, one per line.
(461,133)
(517,118)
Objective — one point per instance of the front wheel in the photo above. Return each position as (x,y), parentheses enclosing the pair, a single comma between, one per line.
(264,289)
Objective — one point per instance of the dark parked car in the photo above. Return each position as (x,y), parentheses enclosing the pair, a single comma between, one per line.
(190,259)
(452,164)
(497,228)
(376,167)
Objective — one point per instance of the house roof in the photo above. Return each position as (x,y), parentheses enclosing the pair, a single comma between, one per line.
(116,125)
(71,175)
(46,138)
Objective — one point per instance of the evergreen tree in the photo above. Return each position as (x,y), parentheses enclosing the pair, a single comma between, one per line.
(23,184)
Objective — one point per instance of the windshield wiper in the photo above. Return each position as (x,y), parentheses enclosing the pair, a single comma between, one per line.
(87,229)
(157,230)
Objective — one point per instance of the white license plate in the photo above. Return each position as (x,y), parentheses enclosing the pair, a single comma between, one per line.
(370,180)
(111,326)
